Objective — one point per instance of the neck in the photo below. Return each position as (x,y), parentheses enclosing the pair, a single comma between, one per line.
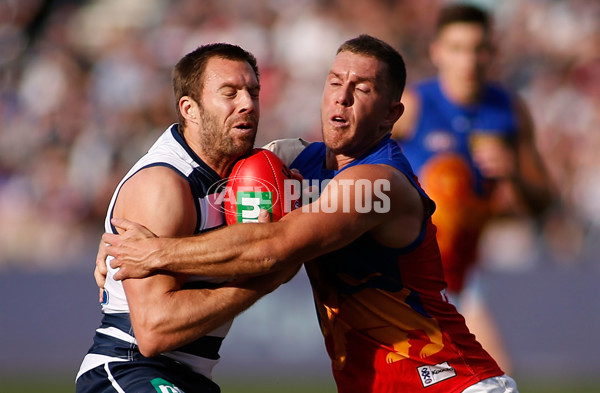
(337,161)
(218,162)
(461,92)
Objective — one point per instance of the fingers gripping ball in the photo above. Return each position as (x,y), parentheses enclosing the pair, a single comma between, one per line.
(259,180)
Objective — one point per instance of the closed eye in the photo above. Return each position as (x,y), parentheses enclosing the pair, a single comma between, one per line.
(254,93)
(229,93)
(363,87)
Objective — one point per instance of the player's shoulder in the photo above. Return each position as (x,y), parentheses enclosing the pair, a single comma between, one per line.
(159,198)
(495,91)
(157,179)
(371,172)
(287,149)
(170,150)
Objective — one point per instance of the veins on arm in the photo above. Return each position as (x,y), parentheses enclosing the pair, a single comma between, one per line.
(164,315)
(161,200)
(305,233)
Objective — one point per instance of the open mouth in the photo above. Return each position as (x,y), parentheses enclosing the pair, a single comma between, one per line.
(244,126)
(339,121)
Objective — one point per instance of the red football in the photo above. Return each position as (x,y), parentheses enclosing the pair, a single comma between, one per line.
(258,181)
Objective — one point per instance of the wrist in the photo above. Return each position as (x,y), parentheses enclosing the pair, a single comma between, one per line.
(160,259)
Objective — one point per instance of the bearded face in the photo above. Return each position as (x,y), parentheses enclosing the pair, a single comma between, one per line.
(233,138)
(226,117)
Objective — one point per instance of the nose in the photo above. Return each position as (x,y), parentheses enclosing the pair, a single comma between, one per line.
(471,59)
(246,102)
(344,95)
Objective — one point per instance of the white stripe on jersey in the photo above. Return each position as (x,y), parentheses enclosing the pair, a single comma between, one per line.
(117,333)
(205,367)
(112,380)
(93,360)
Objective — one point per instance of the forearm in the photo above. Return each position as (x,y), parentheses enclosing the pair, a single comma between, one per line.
(185,315)
(242,250)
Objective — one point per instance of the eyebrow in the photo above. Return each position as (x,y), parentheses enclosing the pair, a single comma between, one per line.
(237,87)
(358,79)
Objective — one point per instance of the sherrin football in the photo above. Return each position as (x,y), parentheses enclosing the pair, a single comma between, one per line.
(258,181)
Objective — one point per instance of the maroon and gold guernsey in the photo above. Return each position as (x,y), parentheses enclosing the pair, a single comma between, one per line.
(387,324)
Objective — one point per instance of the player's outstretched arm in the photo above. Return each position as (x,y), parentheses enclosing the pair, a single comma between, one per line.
(303,234)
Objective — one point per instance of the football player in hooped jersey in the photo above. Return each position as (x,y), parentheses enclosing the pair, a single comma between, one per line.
(163,332)
(471,143)
(376,273)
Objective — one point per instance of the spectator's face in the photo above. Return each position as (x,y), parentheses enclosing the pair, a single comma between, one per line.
(462,52)
(229,108)
(356,110)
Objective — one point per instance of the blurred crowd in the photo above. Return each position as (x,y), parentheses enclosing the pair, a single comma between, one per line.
(85,89)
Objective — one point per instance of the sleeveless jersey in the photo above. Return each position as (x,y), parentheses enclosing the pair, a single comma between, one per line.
(114,339)
(387,324)
(440,152)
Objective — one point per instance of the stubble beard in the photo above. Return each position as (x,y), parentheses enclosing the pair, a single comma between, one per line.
(219,144)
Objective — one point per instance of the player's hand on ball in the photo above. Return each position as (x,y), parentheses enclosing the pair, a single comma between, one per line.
(258,181)
(264,216)
(135,250)
(296,175)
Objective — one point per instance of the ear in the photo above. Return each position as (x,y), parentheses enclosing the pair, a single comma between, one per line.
(395,110)
(189,109)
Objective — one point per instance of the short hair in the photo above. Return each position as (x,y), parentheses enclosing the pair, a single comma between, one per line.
(370,46)
(188,72)
(462,13)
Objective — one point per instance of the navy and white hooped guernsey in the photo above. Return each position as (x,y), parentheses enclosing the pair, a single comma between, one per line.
(114,340)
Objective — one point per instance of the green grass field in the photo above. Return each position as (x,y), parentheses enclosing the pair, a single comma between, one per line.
(13,384)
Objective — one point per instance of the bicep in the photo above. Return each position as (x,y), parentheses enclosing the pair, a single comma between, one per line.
(348,207)
(161,200)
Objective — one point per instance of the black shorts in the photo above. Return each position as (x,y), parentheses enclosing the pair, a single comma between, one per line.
(146,375)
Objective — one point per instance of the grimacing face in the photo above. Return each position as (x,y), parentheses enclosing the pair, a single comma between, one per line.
(229,108)
(356,104)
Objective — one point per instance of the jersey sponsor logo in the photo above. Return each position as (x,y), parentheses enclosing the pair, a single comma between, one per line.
(439,141)
(431,375)
(163,386)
